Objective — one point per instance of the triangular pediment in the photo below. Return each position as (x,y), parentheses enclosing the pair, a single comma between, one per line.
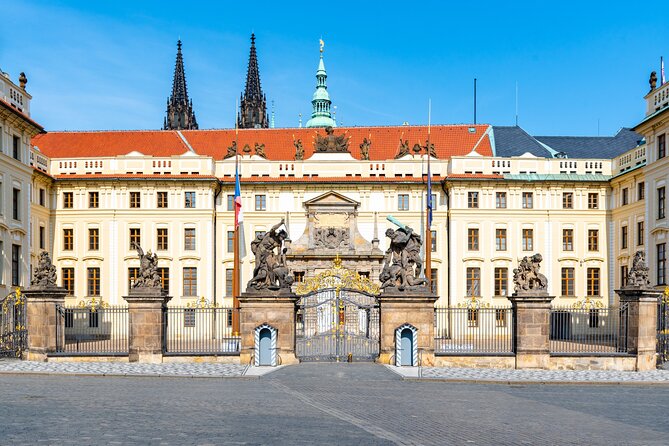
(331,198)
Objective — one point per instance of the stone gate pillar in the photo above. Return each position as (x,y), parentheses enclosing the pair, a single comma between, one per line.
(531,329)
(41,320)
(145,323)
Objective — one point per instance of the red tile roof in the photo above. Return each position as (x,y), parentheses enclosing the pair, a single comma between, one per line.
(449,140)
(110,143)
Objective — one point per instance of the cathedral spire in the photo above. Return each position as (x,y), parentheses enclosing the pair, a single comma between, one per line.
(253,107)
(321,116)
(180,114)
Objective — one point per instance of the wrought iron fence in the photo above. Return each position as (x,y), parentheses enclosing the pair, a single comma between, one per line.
(663,328)
(589,328)
(200,329)
(92,329)
(473,329)
(13,332)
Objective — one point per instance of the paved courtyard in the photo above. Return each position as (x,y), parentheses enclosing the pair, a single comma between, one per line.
(361,404)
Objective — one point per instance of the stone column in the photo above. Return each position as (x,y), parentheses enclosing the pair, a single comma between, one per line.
(275,308)
(415,307)
(531,329)
(145,320)
(641,324)
(41,319)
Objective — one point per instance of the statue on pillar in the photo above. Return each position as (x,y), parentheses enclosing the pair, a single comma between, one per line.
(402,264)
(527,279)
(638,274)
(364,149)
(271,271)
(653,80)
(44,275)
(299,150)
(148,276)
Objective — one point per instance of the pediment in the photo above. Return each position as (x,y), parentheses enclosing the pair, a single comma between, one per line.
(331,198)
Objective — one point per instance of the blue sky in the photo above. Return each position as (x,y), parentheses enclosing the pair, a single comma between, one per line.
(108,65)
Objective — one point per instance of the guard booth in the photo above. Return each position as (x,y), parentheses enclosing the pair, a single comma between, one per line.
(406,346)
(265,346)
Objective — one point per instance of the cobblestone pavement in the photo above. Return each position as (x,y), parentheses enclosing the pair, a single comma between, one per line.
(547,376)
(123,368)
(324,404)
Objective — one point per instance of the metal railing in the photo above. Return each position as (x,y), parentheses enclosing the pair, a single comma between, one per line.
(473,331)
(591,330)
(663,329)
(91,331)
(13,332)
(200,331)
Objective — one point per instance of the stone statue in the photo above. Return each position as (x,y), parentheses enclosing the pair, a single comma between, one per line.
(527,279)
(364,149)
(270,272)
(246,149)
(653,80)
(232,150)
(260,150)
(431,150)
(44,274)
(331,238)
(299,150)
(148,276)
(331,143)
(402,265)
(417,148)
(403,149)
(638,274)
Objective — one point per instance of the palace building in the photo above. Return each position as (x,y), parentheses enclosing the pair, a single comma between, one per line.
(587,204)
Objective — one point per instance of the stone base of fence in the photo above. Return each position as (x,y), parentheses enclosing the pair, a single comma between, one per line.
(145,316)
(228,359)
(41,320)
(476,362)
(96,358)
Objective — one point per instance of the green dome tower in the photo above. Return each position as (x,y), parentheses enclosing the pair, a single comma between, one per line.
(321,116)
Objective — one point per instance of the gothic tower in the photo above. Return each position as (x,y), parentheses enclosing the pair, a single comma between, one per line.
(253,107)
(320,116)
(180,114)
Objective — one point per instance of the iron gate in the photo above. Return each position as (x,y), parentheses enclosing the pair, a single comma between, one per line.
(337,317)
(13,333)
(663,328)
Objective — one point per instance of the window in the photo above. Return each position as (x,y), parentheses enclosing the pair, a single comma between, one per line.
(228,282)
(472,200)
(189,317)
(16,204)
(528,200)
(261,202)
(500,239)
(161,235)
(641,191)
(164,274)
(500,200)
(231,203)
(16,265)
(190,281)
(93,199)
(434,201)
(259,234)
(528,239)
(625,196)
(403,202)
(189,199)
(42,237)
(93,239)
(42,197)
(567,239)
(434,280)
(68,239)
(433,239)
(473,239)
(500,317)
(16,148)
(231,241)
(593,281)
(473,282)
(623,237)
(93,276)
(189,239)
(161,198)
(135,200)
(623,275)
(593,239)
(661,264)
(640,237)
(68,200)
(67,277)
(593,200)
(298,276)
(593,318)
(568,200)
(660,202)
(135,237)
(133,274)
(661,146)
(501,281)
(473,317)
(568,288)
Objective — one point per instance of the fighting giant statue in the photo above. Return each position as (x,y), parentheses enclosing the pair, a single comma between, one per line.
(271,271)
(148,276)
(527,279)
(402,264)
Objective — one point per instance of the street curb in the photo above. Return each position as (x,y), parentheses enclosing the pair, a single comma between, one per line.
(124,375)
(539,382)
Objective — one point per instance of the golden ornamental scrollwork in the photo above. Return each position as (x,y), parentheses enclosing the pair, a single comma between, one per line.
(474,303)
(665,295)
(202,303)
(93,304)
(340,278)
(587,304)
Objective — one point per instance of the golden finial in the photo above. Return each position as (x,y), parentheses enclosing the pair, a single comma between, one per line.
(320,41)
(337,262)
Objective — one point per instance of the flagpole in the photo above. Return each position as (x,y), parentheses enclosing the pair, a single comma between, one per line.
(429,204)
(236,270)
